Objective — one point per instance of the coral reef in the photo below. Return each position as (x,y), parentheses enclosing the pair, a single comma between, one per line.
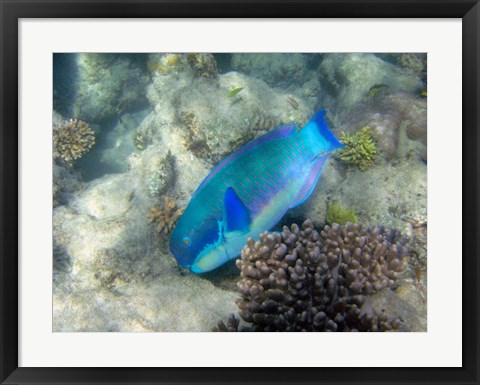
(398,121)
(292,281)
(165,216)
(195,140)
(112,270)
(293,102)
(72,140)
(346,80)
(277,70)
(414,62)
(335,214)
(377,89)
(203,65)
(264,122)
(164,64)
(162,177)
(359,149)
(65,182)
(98,86)
(214,124)
(62,262)
(141,140)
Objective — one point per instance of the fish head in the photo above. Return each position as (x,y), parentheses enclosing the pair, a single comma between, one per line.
(197,243)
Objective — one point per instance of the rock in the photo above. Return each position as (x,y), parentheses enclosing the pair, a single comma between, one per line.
(167,303)
(114,273)
(216,124)
(398,122)
(395,196)
(407,303)
(277,69)
(348,78)
(98,86)
(65,182)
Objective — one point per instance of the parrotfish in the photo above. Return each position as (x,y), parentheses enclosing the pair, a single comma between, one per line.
(250,191)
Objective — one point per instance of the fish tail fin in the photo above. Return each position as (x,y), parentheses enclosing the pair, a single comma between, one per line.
(317,133)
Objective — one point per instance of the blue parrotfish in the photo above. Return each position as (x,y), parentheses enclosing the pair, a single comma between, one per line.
(250,191)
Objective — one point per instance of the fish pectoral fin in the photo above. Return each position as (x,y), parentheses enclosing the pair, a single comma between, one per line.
(310,181)
(235,213)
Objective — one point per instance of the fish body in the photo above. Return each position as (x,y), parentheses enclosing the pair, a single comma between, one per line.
(250,191)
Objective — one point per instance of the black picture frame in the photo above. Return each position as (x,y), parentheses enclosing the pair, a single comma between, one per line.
(11,11)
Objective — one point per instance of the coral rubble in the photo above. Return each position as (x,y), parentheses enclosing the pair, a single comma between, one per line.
(72,139)
(300,280)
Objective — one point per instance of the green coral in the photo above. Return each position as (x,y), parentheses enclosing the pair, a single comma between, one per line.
(360,149)
(335,214)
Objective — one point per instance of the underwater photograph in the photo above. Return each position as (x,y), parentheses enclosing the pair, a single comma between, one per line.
(239,192)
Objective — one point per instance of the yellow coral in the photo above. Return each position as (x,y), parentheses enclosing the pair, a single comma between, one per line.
(72,140)
(163,65)
(360,149)
(172,60)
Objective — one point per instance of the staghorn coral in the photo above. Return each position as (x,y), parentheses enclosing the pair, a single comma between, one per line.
(359,148)
(165,216)
(300,280)
(72,140)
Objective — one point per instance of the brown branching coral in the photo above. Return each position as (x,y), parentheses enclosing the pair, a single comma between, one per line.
(300,280)
(72,140)
(165,216)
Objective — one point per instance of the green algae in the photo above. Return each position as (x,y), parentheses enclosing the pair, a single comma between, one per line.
(336,214)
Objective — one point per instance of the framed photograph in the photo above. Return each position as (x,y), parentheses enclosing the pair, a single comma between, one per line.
(227,192)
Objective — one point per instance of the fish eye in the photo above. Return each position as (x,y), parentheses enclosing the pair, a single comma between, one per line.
(186,241)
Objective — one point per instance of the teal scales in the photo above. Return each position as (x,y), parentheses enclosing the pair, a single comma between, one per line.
(250,191)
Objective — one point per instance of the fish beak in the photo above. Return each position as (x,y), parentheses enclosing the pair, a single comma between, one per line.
(210,261)
(196,269)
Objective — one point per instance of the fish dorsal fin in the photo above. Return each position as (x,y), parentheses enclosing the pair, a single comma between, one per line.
(278,133)
(311,179)
(235,213)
